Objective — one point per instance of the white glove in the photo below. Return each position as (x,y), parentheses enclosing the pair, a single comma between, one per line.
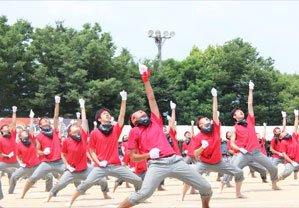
(10,155)
(31,114)
(284,114)
(265,124)
(142,68)
(57,99)
(123,95)
(60,119)
(47,151)
(296,112)
(168,117)
(204,143)
(154,153)
(23,165)
(214,92)
(186,151)
(103,163)
(251,85)
(14,109)
(192,123)
(244,151)
(92,163)
(295,164)
(95,123)
(172,105)
(70,168)
(280,154)
(218,114)
(82,103)
(78,114)
(175,123)
(132,169)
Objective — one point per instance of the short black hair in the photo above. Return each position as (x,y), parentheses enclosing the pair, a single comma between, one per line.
(198,119)
(99,112)
(234,110)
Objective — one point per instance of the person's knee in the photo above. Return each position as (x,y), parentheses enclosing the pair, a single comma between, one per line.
(239,176)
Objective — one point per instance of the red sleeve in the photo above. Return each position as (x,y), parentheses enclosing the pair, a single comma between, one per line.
(172,134)
(283,147)
(155,119)
(263,140)
(133,139)
(13,134)
(64,147)
(92,140)
(250,119)
(1,147)
(84,135)
(217,127)
(272,142)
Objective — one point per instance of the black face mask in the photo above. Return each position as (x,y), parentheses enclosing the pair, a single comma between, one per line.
(169,139)
(287,137)
(242,122)
(26,141)
(188,141)
(106,129)
(76,137)
(207,129)
(48,131)
(143,121)
(8,135)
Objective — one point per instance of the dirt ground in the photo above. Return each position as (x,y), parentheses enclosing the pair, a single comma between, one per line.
(258,195)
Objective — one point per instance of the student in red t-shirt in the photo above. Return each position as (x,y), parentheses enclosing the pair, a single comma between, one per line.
(262,140)
(290,150)
(207,145)
(187,149)
(48,148)
(147,141)
(8,146)
(244,139)
(27,158)
(74,156)
(104,151)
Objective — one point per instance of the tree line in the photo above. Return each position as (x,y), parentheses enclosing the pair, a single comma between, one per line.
(38,63)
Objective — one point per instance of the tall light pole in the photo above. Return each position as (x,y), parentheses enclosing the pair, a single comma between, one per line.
(160,40)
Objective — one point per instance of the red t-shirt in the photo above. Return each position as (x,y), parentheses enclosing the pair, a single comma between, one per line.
(175,146)
(53,143)
(75,152)
(8,145)
(140,167)
(146,138)
(290,147)
(276,147)
(106,147)
(246,136)
(263,148)
(28,154)
(88,151)
(125,145)
(211,154)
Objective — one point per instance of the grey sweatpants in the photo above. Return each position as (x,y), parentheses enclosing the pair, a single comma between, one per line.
(46,167)
(27,171)
(98,173)
(190,160)
(289,168)
(119,182)
(253,166)
(277,161)
(257,156)
(221,167)
(67,177)
(175,167)
(3,166)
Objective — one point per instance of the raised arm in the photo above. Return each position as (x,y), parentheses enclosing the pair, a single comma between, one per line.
(60,127)
(31,116)
(296,122)
(192,129)
(121,117)
(172,120)
(265,132)
(83,115)
(56,112)
(78,114)
(250,99)
(215,106)
(14,117)
(284,121)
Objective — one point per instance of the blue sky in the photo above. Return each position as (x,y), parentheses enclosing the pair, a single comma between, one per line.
(270,26)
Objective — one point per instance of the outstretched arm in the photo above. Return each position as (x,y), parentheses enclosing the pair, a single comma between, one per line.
(14,117)
(215,106)
(121,117)
(83,115)
(56,112)
(250,99)
(138,157)
(296,122)
(284,121)
(265,132)
(172,120)
(31,116)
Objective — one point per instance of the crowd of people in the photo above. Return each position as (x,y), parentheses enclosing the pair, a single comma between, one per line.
(150,152)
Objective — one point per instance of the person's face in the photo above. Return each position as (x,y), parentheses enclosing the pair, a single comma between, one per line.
(74,129)
(24,134)
(258,135)
(239,115)
(228,135)
(187,135)
(165,130)
(45,122)
(125,138)
(204,121)
(105,117)
(5,129)
(138,114)
(277,131)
